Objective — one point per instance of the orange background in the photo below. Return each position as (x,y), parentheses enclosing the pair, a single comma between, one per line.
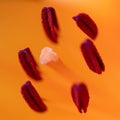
(20,27)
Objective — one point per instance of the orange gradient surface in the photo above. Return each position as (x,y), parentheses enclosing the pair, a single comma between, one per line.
(20,27)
